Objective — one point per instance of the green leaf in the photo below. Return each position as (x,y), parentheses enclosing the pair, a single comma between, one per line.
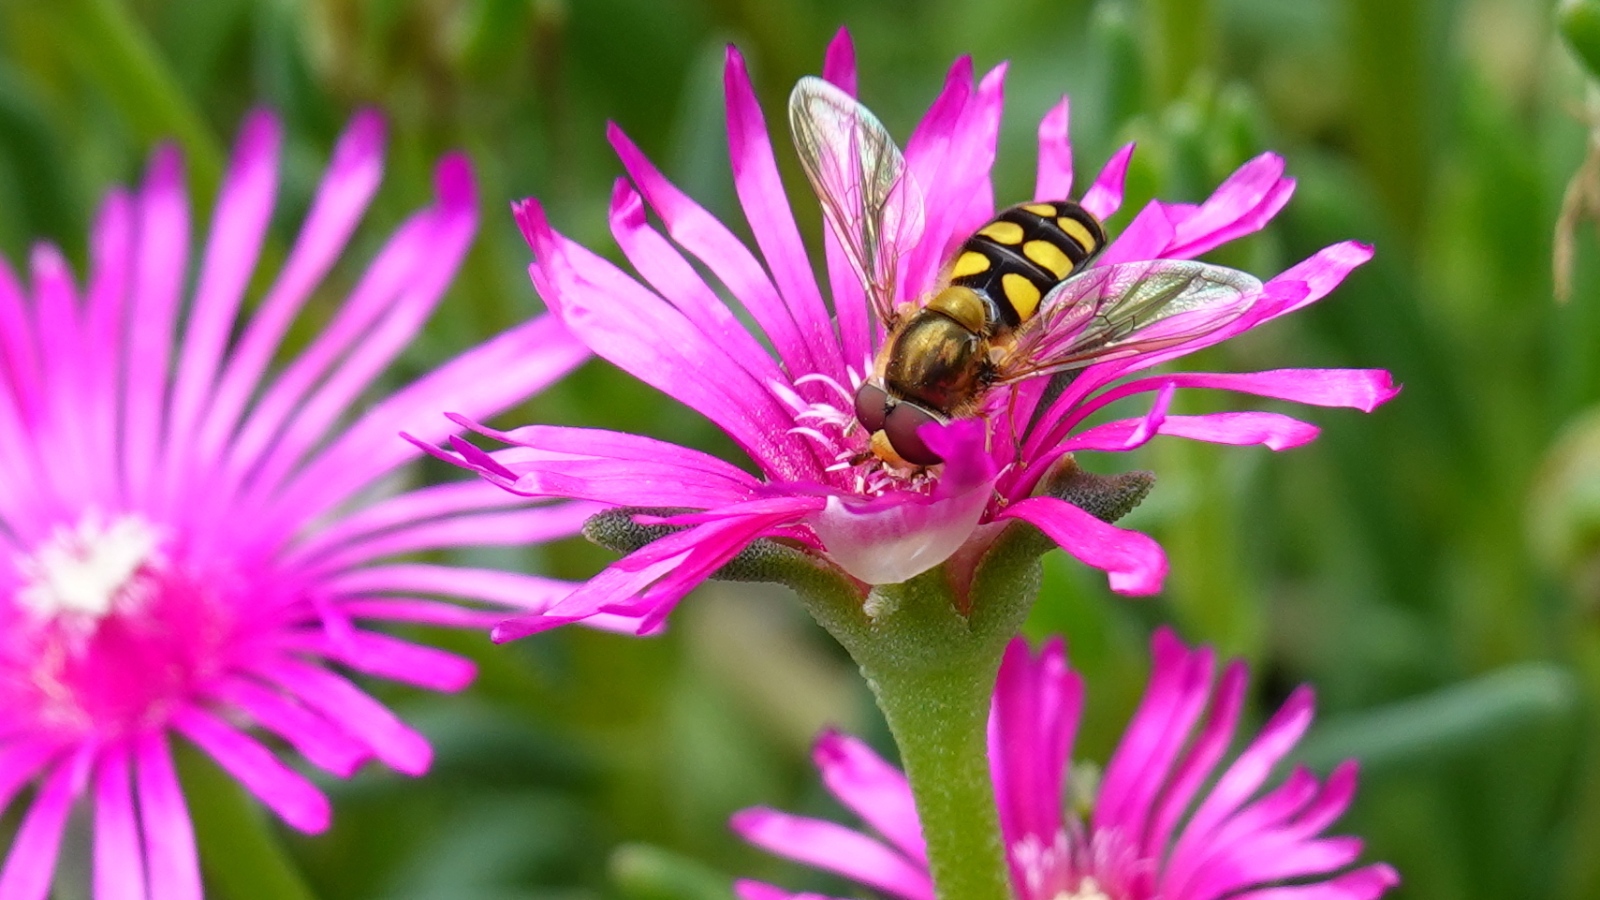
(1456,720)
(647,872)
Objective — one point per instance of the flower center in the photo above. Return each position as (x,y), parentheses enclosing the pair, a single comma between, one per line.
(1078,865)
(87,571)
(830,423)
(113,633)
(1088,889)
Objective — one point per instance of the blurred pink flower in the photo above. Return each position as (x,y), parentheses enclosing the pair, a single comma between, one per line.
(790,407)
(1140,841)
(191,545)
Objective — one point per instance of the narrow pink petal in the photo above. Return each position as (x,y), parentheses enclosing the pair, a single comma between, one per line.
(1146,237)
(1332,802)
(664,267)
(747,889)
(1249,222)
(839,63)
(963,164)
(1321,273)
(422,612)
(709,241)
(479,383)
(1180,682)
(647,338)
(1366,883)
(833,848)
(174,866)
(1240,781)
(872,789)
(393,742)
(511,528)
(1134,563)
(20,763)
(766,208)
(283,790)
(111,264)
(1363,389)
(317,739)
(1055,155)
(649,582)
(1267,861)
(118,857)
(61,351)
(31,863)
(1240,195)
(1272,430)
(1204,753)
(511,589)
(413,507)
(19,361)
(1104,197)
(238,227)
(383,656)
(381,288)
(1032,727)
(452,233)
(159,276)
(342,196)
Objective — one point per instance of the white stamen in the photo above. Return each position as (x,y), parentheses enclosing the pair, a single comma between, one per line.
(818,378)
(88,570)
(1087,889)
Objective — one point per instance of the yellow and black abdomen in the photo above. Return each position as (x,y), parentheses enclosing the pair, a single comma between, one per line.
(1016,259)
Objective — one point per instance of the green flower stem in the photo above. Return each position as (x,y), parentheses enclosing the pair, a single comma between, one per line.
(932,669)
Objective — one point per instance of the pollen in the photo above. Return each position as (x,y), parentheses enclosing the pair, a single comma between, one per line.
(88,570)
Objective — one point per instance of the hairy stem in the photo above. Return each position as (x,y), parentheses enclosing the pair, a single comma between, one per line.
(933,671)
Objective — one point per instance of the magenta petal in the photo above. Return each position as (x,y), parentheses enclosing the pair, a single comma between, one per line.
(118,857)
(283,790)
(238,227)
(1201,758)
(1272,430)
(361,716)
(1134,563)
(699,232)
(747,889)
(1322,272)
(1146,237)
(1054,181)
(169,846)
(1104,197)
(319,740)
(1242,198)
(32,859)
(1366,883)
(839,62)
(1032,727)
(766,208)
(872,789)
(833,848)
(889,539)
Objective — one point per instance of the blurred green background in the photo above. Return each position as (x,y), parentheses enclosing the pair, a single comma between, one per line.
(1433,568)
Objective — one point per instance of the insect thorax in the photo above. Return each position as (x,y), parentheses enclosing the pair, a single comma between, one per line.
(936,361)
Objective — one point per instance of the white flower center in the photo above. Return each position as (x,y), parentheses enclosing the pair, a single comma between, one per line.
(1087,889)
(88,570)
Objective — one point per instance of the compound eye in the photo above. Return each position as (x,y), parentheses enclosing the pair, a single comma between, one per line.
(872,405)
(901,426)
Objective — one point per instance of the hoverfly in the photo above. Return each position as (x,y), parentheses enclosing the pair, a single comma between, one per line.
(1018,300)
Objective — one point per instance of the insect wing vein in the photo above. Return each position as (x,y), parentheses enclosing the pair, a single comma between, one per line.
(1112,312)
(860,177)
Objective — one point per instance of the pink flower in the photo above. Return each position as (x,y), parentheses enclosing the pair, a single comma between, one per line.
(190,545)
(1164,823)
(790,408)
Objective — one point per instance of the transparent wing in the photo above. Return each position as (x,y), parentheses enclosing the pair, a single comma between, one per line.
(1112,312)
(868,196)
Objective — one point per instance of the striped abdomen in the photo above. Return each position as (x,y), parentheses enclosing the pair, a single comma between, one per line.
(1016,259)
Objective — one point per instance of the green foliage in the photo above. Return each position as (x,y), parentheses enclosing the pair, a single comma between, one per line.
(1433,569)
